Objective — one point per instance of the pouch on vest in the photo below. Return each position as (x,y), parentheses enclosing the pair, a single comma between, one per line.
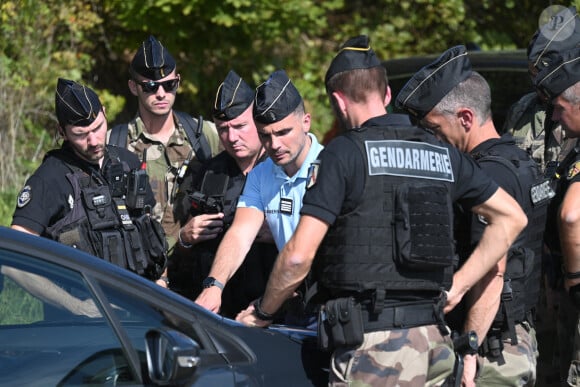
(423,229)
(154,245)
(113,247)
(134,251)
(100,212)
(340,324)
(78,235)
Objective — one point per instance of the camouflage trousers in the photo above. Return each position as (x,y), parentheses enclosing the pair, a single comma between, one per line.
(414,357)
(519,368)
(574,370)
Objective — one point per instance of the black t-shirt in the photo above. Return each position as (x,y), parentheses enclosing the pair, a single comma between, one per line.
(341,176)
(48,195)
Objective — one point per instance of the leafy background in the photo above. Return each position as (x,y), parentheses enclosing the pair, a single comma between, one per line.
(93,42)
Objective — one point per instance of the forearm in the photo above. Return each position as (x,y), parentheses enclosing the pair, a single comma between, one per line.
(505,220)
(43,289)
(570,244)
(293,263)
(483,300)
(569,231)
(288,272)
(230,255)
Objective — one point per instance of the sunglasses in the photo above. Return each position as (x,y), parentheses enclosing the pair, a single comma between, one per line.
(151,86)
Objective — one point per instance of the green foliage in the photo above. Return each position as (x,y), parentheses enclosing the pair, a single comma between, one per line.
(95,41)
(18,306)
(7,206)
(40,41)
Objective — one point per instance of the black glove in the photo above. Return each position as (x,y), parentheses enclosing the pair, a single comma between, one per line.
(574,293)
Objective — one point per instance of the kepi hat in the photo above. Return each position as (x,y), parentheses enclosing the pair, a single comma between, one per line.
(562,73)
(434,81)
(355,53)
(275,99)
(75,104)
(152,60)
(232,98)
(562,33)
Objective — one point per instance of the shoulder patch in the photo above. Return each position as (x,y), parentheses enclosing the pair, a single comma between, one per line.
(24,196)
(312,174)
(573,171)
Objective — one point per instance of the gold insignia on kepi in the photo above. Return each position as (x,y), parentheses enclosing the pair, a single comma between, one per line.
(24,196)
(573,171)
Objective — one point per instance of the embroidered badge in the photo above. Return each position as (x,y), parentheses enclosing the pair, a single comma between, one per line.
(24,196)
(573,171)
(312,174)
(286,205)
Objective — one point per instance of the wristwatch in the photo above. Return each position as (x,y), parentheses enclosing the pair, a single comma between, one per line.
(259,313)
(210,281)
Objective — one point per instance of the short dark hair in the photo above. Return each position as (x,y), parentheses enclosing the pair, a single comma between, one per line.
(357,84)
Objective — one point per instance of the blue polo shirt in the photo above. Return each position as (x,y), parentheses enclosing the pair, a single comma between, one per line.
(278,196)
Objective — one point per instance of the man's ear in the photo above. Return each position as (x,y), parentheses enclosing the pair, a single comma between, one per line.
(466,118)
(340,101)
(387,99)
(61,132)
(132,87)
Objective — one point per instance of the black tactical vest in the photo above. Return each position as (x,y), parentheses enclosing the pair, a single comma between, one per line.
(523,276)
(100,223)
(400,236)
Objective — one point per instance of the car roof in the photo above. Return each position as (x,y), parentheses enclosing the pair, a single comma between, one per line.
(506,72)
(513,60)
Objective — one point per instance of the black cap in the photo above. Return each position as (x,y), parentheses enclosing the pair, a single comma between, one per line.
(75,104)
(152,60)
(275,98)
(562,33)
(233,97)
(355,53)
(434,81)
(562,73)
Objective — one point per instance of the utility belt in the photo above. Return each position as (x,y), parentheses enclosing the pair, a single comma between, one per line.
(342,322)
(399,317)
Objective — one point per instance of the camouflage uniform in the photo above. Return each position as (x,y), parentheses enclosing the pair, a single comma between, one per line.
(519,368)
(525,121)
(163,161)
(395,358)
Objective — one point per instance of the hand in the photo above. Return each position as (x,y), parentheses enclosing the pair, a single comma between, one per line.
(161,283)
(202,228)
(469,371)
(248,318)
(210,298)
(453,298)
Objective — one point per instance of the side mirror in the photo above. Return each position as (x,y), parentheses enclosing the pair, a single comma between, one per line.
(172,357)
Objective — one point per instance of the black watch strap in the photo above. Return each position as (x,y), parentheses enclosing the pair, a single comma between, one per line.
(259,313)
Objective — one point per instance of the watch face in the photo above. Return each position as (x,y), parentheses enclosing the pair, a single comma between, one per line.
(208,282)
